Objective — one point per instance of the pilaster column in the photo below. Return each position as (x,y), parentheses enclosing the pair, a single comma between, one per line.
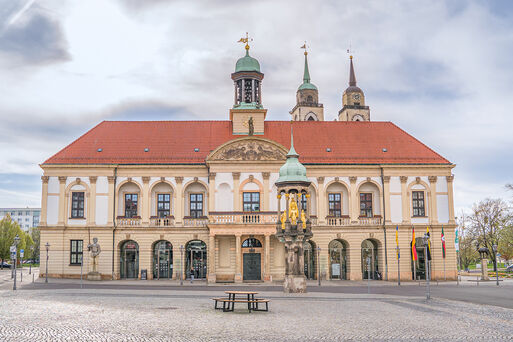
(146,201)
(386,194)
(236,184)
(267,258)
(212,259)
(62,200)
(353,200)
(404,200)
(179,201)
(450,198)
(91,205)
(321,202)
(433,217)
(265,176)
(112,201)
(238,259)
(44,201)
(211,192)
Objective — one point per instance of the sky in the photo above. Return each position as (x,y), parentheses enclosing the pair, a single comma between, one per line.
(441,70)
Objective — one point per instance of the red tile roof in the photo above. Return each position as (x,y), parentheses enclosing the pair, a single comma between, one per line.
(173,142)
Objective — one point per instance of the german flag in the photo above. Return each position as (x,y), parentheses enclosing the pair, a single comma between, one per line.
(413,247)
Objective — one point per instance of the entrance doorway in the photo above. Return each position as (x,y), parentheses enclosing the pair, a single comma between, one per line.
(338,263)
(421,260)
(129,260)
(162,260)
(370,260)
(251,260)
(196,259)
(310,266)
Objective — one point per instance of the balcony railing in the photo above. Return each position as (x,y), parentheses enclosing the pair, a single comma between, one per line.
(189,221)
(168,221)
(369,221)
(338,221)
(128,221)
(264,217)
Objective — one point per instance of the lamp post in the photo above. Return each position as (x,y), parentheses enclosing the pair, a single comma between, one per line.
(426,239)
(181,265)
(319,265)
(47,246)
(16,241)
(494,247)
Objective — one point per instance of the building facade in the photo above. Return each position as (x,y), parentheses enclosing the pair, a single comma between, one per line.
(25,217)
(182,198)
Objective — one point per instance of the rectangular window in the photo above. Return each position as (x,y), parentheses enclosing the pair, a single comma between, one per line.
(163,205)
(196,205)
(251,201)
(366,205)
(131,205)
(334,202)
(75,255)
(77,205)
(303,202)
(418,203)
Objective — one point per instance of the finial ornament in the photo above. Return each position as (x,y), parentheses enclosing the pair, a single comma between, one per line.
(305,47)
(350,51)
(246,41)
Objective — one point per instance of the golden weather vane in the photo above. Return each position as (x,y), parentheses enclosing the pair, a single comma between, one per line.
(246,41)
(305,47)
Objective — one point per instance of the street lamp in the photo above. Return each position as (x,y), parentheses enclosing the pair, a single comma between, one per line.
(494,248)
(47,246)
(16,241)
(319,265)
(426,241)
(181,265)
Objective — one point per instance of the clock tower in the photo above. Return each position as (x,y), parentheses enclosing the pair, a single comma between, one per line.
(353,100)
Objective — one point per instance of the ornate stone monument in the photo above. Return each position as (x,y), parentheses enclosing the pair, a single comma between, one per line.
(483,253)
(293,227)
(94,251)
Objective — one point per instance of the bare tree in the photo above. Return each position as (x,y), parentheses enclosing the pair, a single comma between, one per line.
(488,218)
(468,253)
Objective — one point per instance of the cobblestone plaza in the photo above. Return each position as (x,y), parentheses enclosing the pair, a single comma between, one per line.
(151,314)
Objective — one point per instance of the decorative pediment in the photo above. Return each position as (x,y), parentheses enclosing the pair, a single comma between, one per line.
(249,149)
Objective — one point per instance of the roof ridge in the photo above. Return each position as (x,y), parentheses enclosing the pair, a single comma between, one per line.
(420,142)
(74,141)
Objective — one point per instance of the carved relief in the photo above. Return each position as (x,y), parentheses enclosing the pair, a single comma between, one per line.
(432,179)
(250,150)
(266,175)
(353,179)
(93,179)
(45,179)
(386,179)
(449,178)
(404,179)
(146,179)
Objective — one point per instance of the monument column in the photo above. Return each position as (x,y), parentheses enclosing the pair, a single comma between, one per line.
(354,212)
(265,176)
(44,201)
(404,199)
(112,200)
(179,201)
(267,258)
(236,183)
(238,259)
(62,200)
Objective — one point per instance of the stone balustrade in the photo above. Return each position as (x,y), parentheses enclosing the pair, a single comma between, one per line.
(243,217)
(369,221)
(128,221)
(168,221)
(189,221)
(338,221)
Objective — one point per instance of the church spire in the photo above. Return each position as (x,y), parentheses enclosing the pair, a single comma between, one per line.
(352,77)
(306,74)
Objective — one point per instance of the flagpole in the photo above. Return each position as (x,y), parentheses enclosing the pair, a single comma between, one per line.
(414,270)
(445,278)
(398,267)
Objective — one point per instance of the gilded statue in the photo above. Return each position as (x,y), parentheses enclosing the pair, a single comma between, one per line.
(303,219)
(293,210)
(283,218)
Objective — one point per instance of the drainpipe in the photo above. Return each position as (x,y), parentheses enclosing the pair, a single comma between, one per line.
(384,227)
(114,219)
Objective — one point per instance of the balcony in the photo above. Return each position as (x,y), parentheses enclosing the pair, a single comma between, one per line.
(168,221)
(265,217)
(122,221)
(338,221)
(369,221)
(189,221)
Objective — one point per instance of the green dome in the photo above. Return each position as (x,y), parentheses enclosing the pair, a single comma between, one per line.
(307,86)
(247,63)
(292,170)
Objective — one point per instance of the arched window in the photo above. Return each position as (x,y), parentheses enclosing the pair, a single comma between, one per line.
(251,243)
(311,118)
(309,99)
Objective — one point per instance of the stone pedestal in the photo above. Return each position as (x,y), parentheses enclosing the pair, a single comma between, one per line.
(211,279)
(94,276)
(484,269)
(294,284)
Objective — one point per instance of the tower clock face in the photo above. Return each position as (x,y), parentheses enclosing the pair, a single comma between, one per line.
(356,97)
